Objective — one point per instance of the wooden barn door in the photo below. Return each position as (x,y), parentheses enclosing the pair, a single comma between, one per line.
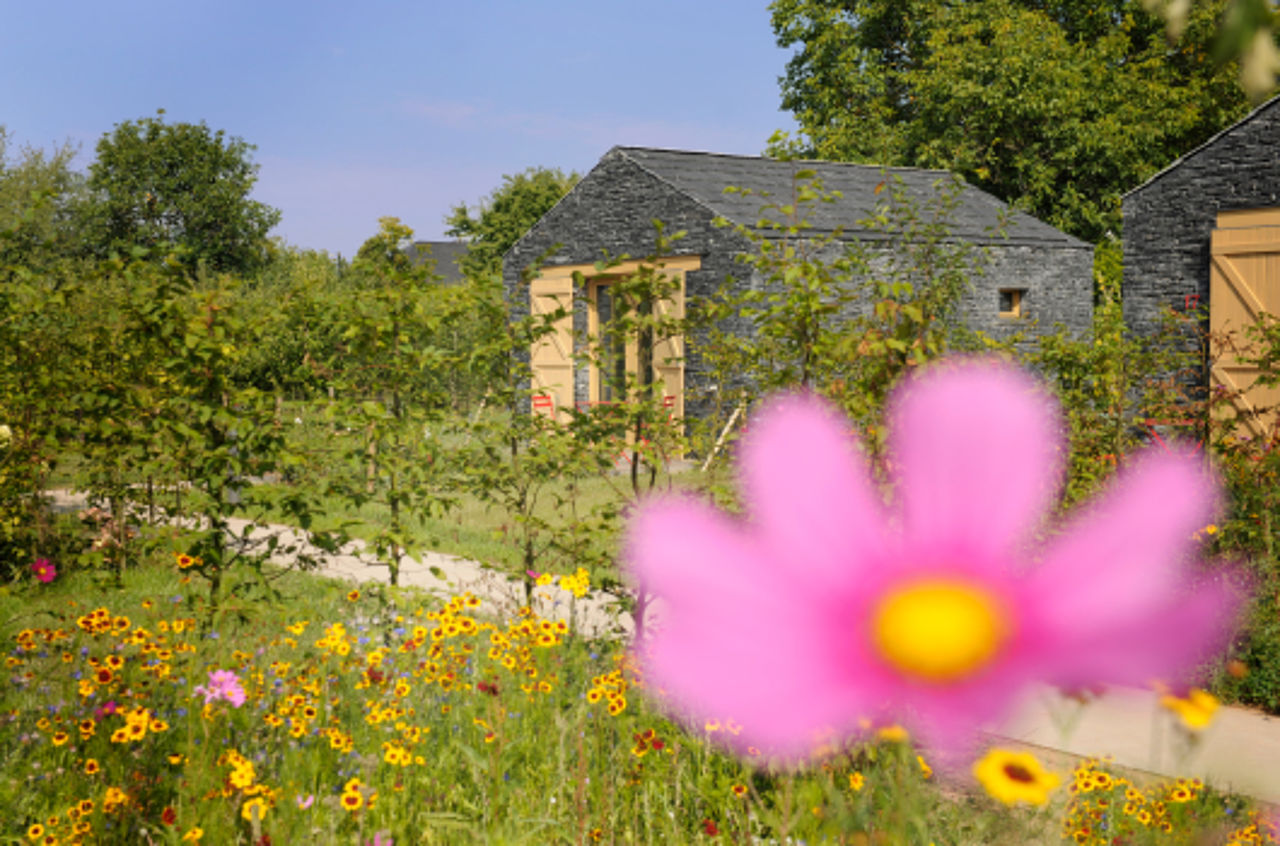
(551,356)
(1244,284)
(668,353)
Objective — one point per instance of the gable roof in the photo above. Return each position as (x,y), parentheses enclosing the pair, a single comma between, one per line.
(703,177)
(1218,136)
(446,255)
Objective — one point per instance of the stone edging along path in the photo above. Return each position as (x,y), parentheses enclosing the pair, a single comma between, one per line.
(1239,751)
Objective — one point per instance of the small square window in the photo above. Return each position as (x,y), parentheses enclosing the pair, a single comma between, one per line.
(1011,301)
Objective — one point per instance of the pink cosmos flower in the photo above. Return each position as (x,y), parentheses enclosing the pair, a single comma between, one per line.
(829,607)
(223,684)
(44,571)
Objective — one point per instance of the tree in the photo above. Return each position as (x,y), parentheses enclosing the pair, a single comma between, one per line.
(505,215)
(40,197)
(390,385)
(1247,33)
(1053,105)
(179,186)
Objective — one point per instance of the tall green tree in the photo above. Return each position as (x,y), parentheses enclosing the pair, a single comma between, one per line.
(180,186)
(40,202)
(390,388)
(1057,106)
(505,215)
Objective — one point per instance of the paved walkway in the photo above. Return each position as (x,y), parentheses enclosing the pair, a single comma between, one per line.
(1239,751)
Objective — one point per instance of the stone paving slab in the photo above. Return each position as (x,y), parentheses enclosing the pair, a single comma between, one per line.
(1239,751)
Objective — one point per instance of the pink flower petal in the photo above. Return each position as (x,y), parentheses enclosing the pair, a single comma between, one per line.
(976,449)
(1125,556)
(739,635)
(807,488)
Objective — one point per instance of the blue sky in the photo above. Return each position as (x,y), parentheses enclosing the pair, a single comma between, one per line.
(360,110)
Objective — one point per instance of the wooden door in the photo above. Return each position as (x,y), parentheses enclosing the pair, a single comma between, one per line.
(668,353)
(1244,286)
(551,356)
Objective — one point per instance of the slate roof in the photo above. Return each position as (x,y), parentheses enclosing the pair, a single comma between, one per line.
(1218,136)
(704,176)
(446,254)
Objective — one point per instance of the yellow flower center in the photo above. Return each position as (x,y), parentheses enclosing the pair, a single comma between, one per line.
(939,630)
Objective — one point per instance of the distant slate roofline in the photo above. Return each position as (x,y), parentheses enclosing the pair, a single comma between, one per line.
(703,176)
(1274,102)
(446,254)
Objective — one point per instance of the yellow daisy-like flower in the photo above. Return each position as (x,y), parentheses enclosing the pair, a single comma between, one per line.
(352,801)
(255,806)
(193,835)
(925,770)
(242,776)
(1013,777)
(856,781)
(354,595)
(1196,709)
(893,734)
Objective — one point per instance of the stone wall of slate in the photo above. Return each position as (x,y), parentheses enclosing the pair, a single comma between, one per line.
(1057,286)
(1056,283)
(1168,220)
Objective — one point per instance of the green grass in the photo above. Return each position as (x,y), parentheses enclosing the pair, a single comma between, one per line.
(468,527)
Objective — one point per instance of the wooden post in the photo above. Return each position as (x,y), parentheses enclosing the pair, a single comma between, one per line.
(371,469)
(724,433)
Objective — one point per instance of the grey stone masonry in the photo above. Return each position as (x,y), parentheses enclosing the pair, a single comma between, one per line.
(1169,218)
(611,213)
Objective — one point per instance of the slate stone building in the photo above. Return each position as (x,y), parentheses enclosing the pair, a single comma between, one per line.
(1205,233)
(1036,276)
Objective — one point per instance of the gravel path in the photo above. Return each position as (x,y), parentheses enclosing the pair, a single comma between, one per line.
(594,615)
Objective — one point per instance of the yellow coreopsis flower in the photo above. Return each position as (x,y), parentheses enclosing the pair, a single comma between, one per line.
(1013,777)
(1196,709)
